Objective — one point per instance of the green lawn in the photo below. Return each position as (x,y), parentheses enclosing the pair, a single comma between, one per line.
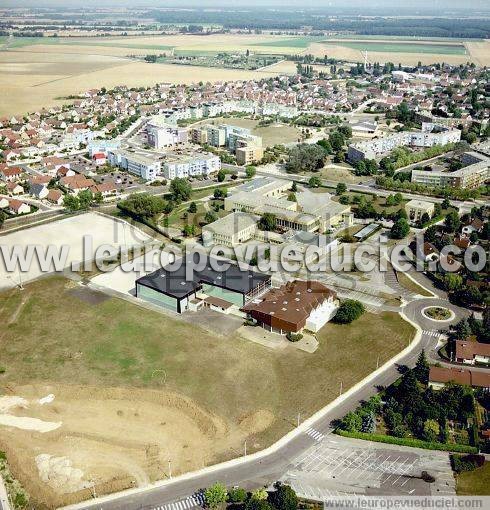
(393,47)
(57,332)
(474,483)
(410,285)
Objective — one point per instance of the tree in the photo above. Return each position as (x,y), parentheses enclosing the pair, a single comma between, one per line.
(346,130)
(221,175)
(181,189)
(336,140)
(305,158)
(294,187)
(258,504)
(143,205)
(452,282)
(430,235)
(446,204)
(268,222)
(189,230)
(260,494)
(210,217)
(71,202)
(463,329)
(98,197)
(292,197)
(283,498)
(349,311)
(340,189)
(3,217)
(85,198)
(192,208)
(220,193)
(250,171)
(351,422)
(452,222)
(314,181)
(368,423)
(422,368)
(424,219)
(400,229)
(431,430)
(215,496)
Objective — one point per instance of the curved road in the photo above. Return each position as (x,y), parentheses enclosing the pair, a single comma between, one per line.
(262,470)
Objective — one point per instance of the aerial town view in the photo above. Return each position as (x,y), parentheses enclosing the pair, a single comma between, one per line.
(244,254)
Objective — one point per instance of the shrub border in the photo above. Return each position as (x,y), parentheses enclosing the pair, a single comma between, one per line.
(404,441)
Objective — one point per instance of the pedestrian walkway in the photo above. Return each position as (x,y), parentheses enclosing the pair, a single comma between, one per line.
(315,434)
(431,333)
(195,501)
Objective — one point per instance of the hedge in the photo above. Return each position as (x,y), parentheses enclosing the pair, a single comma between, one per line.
(405,441)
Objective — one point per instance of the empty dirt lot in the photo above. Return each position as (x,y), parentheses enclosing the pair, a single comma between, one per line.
(143,388)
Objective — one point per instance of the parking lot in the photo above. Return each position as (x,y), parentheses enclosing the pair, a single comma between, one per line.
(336,466)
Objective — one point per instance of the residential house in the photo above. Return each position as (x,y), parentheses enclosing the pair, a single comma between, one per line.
(471,353)
(17,207)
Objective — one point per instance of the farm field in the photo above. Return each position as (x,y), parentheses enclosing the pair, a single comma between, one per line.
(153,374)
(37,72)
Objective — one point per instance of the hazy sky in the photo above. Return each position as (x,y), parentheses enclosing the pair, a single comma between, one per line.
(431,5)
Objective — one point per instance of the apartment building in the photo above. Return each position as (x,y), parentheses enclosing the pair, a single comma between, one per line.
(161,135)
(138,164)
(216,135)
(430,135)
(191,165)
(474,174)
(198,135)
(249,155)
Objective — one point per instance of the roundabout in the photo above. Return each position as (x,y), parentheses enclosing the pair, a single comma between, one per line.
(438,313)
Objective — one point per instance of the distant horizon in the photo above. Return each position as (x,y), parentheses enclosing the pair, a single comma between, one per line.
(438,8)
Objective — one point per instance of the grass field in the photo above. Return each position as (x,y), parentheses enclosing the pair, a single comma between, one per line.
(404,47)
(292,42)
(153,371)
(474,483)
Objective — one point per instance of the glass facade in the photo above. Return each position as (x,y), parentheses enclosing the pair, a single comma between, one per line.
(157,298)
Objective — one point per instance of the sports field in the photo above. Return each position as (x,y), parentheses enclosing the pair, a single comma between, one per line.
(166,389)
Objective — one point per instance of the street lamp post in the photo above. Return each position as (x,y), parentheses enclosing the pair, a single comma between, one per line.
(169,468)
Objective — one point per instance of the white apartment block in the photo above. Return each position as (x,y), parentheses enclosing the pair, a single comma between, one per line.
(430,135)
(143,166)
(193,165)
(474,174)
(162,135)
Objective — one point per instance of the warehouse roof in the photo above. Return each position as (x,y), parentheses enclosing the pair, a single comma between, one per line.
(180,279)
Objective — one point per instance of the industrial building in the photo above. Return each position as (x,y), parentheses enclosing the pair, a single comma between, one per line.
(295,306)
(178,287)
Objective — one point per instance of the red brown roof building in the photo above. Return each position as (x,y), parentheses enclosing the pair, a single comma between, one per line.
(295,306)
(440,376)
(471,353)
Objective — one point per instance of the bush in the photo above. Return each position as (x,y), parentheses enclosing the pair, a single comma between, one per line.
(349,310)
(462,463)
(294,337)
(237,495)
(405,441)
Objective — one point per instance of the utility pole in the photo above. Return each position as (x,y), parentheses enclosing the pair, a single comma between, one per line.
(377,362)
(299,418)
(21,287)
(245,449)
(341,385)
(169,468)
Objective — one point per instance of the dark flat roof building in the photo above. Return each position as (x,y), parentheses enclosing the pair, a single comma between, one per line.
(175,284)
